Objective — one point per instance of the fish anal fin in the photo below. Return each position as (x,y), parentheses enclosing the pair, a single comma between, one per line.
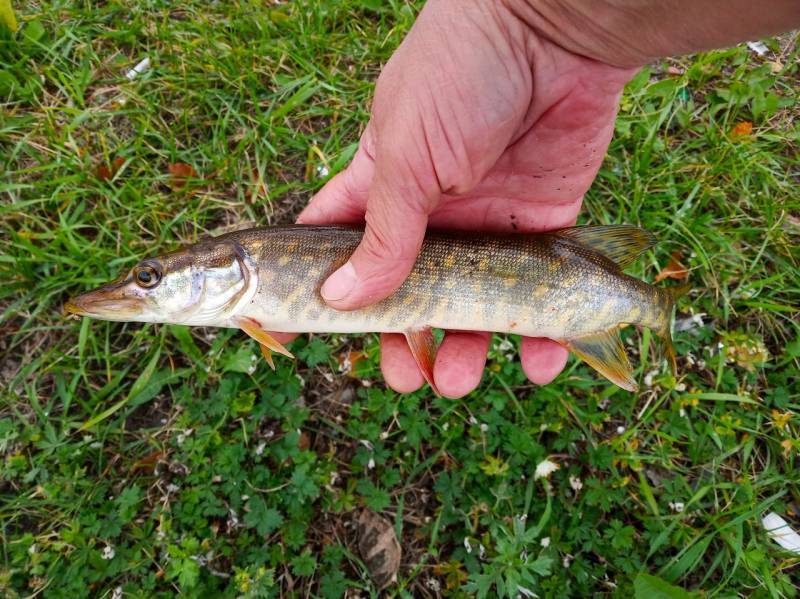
(253,328)
(605,353)
(621,244)
(423,347)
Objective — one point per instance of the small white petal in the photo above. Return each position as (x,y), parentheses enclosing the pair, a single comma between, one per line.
(759,48)
(140,68)
(677,506)
(779,531)
(544,469)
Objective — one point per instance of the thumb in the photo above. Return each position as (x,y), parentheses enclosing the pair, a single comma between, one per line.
(396,217)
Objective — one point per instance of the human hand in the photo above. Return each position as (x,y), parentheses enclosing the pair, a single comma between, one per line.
(477,123)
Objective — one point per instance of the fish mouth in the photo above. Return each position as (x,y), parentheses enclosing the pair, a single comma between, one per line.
(106,303)
(73,309)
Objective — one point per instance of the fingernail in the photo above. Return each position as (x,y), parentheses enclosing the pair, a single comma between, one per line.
(339,284)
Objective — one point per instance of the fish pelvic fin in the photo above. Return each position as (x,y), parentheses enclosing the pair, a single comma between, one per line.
(423,347)
(253,328)
(621,244)
(605,353)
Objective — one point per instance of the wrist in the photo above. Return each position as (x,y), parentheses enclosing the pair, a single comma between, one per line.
(630,33)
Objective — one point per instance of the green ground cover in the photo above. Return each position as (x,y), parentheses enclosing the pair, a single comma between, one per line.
(158,461)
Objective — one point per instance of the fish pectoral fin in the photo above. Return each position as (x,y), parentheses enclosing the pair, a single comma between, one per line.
(423,347)
(605,353)
(253,328)
(620,243)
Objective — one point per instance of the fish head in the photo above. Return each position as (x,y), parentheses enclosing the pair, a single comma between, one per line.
(201,285)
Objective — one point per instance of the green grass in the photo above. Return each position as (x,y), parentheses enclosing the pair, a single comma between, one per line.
(159,445)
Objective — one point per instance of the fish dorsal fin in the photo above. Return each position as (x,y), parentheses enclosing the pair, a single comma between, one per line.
(620,243)
(604,352)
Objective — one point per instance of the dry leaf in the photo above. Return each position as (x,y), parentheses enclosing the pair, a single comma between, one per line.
(673,270)
(260,191)
(179,173)
(304,442)
(105,172)
(775,66)
(743,129)
(148,462)
(379,548)
(349,360)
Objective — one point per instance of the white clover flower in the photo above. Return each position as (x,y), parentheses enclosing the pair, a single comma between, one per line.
(545,468)
(505,346)
(677,506)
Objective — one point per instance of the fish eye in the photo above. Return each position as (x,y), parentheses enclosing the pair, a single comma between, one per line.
(147,275)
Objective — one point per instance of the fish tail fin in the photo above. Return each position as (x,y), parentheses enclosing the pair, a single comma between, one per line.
(673,293)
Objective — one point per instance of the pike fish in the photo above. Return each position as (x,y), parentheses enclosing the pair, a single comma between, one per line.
(567,285)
